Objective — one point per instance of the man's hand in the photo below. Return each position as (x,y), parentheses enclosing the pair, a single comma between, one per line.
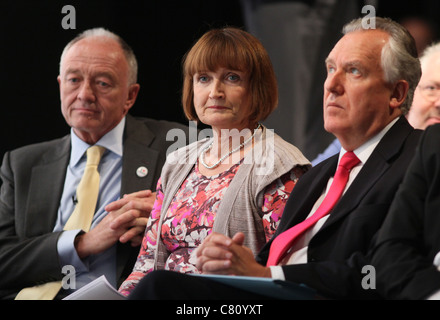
(132,213)
(125,221)
(219,254)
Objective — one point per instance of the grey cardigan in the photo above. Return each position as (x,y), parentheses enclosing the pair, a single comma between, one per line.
(241,206)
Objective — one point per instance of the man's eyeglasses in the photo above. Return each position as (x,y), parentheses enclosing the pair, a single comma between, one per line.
(430,92)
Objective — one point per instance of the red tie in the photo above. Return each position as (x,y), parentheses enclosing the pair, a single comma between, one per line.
(283,242)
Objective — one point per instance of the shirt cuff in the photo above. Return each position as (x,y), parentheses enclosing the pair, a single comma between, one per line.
(435,296)
(277,273)
(67,253)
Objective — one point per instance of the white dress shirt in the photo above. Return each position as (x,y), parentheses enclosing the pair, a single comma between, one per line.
(436,295)
(298,253)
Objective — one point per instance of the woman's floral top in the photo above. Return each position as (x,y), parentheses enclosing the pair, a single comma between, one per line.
(190,218)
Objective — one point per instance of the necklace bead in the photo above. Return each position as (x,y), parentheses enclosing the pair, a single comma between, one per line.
(202,155)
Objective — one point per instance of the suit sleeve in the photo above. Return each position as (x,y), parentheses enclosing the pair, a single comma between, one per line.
(403,257)
(331,279)
(25,261)
(332,273)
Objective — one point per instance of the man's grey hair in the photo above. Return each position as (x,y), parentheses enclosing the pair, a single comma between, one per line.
(429,51)
(101,32)
(399,56)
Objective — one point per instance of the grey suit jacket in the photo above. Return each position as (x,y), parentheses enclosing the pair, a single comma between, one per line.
(33,179)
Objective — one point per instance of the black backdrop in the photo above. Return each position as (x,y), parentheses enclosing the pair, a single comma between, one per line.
(160,32)
(32,39)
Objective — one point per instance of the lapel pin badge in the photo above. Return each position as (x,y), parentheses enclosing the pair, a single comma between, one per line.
(141,172)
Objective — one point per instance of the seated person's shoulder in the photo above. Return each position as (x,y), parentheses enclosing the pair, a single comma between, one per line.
(40,148)
(161,125)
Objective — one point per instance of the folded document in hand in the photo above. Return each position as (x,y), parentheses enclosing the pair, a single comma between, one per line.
(98,289)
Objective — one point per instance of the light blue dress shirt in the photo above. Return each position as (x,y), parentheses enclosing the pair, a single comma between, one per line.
(110,169)
(331,150)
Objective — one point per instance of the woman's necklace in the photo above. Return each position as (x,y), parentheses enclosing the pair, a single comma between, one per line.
(202,155)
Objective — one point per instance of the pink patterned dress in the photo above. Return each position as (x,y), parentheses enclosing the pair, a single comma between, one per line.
(190,219)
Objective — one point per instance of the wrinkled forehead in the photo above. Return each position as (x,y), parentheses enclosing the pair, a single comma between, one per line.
(95,51)
(362,46)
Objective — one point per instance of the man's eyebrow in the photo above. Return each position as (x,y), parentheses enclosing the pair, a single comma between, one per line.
(107,74)
(430,83)
(71,70)
(354,63)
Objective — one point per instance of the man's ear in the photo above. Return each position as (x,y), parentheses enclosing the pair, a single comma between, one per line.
(399,94)
(132,95)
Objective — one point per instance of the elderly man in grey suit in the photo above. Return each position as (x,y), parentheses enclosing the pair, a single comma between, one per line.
(98,75)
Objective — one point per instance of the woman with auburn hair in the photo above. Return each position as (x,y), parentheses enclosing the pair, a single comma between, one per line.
(237,180)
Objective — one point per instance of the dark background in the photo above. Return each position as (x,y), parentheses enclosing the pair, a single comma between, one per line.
(32,39)
(159,31)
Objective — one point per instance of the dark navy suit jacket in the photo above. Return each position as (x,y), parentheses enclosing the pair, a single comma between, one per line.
(342,247)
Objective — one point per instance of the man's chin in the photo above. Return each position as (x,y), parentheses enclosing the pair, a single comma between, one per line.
(432,121)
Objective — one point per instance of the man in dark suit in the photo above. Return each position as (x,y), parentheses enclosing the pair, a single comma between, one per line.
(98,73)
(407,259)
(371,76)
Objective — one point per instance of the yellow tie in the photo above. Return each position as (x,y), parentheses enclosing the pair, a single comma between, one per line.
(81,218)
(87,192)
